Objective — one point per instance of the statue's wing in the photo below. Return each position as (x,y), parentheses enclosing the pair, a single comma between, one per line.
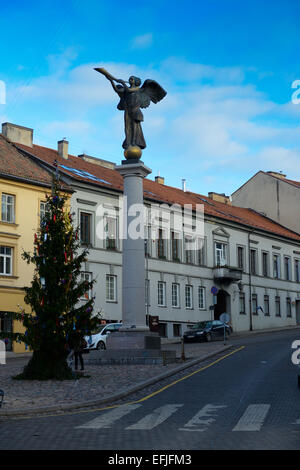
(151,91)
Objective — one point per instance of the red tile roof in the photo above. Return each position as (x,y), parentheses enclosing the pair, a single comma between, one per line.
(14,164)
(110,178)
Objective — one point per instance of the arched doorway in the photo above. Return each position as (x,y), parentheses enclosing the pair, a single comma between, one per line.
(223,304)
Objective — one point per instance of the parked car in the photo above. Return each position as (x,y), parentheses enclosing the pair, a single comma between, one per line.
(98,338)
(206,331)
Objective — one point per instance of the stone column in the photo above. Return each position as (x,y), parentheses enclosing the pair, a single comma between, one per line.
(134,333)
(133,262)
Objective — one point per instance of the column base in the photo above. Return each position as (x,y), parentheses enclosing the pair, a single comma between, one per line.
(133,339)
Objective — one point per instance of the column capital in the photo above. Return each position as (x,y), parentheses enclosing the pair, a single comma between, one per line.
(133,169)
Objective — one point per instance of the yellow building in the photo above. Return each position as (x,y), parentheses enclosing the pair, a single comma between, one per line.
(23,188)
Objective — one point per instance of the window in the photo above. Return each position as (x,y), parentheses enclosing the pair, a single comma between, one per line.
(266,306)
(253,267)
(297,270)
(6,260)
(110,229)
(44,208)
(85,228)
(86,277)
(201,297)
(148,240)
(8,208)
(175,295)
(162,330)
(242,303)
(240,257)
(161,244)
(201,252)
(111,288)
(147,292)
(188,251)
(277,306)
(254,304)
(175,247)
(220,254)
(288,307)
(265,264)
(287,268)
(161,294)
(276,266)
(176,329)
(188,296)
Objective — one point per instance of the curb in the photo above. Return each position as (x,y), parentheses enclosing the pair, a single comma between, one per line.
(91,403)
(243,334)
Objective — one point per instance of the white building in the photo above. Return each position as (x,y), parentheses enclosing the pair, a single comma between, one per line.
(274,195)
(253,263)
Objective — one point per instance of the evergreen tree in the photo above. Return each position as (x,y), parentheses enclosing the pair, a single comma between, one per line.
(54,294)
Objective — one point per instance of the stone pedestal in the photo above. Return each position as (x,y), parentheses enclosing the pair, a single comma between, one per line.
(134,334)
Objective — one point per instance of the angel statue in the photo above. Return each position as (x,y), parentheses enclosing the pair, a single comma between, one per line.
(132,98)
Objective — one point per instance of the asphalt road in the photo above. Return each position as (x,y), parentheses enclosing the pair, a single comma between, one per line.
(248,400)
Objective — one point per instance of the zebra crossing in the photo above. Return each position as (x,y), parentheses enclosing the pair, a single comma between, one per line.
(252,419)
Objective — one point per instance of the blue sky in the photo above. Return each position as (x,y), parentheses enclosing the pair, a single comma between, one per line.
(228,67)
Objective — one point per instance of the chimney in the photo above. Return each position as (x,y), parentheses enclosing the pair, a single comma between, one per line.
(63,148)
(220,198)
(277,174)
(18,134)
(97,161)
(183,185)
(159,179)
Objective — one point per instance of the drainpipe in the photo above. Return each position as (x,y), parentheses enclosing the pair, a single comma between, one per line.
(250,282)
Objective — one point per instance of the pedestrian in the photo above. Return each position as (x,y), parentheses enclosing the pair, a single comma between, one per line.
(79,344)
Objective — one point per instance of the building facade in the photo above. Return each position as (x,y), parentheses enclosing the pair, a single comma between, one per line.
(242,263)
(272,194)
(23,189)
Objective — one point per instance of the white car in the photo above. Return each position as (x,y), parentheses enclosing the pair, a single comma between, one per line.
(98,339)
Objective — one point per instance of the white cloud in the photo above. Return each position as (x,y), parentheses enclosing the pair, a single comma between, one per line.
(210,118)
(142,42)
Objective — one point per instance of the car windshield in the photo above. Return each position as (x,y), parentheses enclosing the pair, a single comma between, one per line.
(98,329)
(201,325)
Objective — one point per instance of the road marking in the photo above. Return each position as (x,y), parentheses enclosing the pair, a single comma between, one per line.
(253,418)
(190,375)
(106,420)
(155,418)
(204,418)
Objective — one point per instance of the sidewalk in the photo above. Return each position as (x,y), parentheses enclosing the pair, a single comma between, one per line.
(103,384)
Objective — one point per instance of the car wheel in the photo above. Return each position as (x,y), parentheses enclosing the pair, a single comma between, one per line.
(101,345)
(208,337)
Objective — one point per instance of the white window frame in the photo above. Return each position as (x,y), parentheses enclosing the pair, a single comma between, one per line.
(201,297)
(43,210)
(90,242)
(297,269)
(86,276)
(175,295)
(108,237)
(111,288)
(189,304)
(287,274)
(221,254)
(7,257)
(161,294)
(277,273)
(5,204)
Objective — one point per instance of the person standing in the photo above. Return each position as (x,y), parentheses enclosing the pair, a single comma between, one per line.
(79,344)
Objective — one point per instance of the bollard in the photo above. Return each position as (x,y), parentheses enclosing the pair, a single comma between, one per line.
(1,397)
(182,350)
